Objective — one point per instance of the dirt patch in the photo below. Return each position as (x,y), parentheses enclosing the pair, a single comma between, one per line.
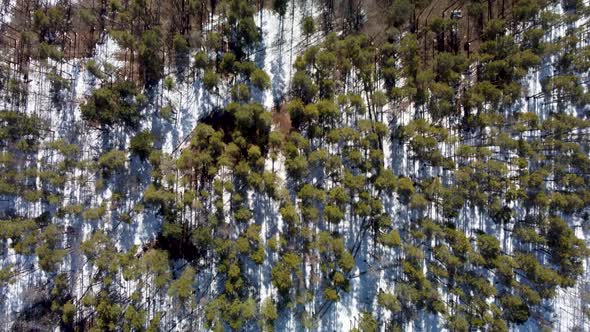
(282,120)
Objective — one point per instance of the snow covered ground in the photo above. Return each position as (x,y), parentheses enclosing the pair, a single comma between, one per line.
(282,41)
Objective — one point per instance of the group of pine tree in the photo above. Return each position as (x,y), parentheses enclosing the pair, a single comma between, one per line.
(477,157)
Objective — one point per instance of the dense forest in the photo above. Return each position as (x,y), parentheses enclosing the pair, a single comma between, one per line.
(294,165)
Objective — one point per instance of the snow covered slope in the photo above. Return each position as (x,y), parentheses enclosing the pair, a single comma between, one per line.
(282,41)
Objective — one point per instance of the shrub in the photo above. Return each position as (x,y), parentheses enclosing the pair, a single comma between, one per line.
(260,79)
(391,239)
(308,25)
(113,160)
(94,68)
(210,80)
(152,64)
(141,144)
(109,106)
(201,60)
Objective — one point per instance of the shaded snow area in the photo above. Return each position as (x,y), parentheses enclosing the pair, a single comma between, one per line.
(282,41)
